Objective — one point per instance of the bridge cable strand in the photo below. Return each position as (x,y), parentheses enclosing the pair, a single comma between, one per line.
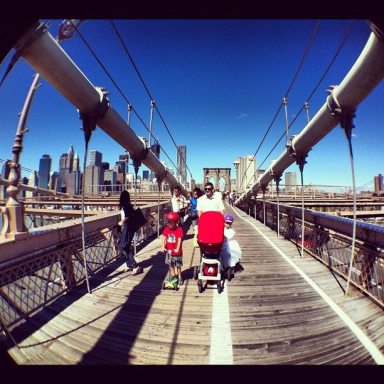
(277,179)
(147,90)
(130,107)
(89,125)
(309,44)
(345,116)
(343,41)
(347,125)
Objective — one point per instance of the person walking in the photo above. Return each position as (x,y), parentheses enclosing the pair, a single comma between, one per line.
(211,201)
(126,211)
(171,240)
(179,203)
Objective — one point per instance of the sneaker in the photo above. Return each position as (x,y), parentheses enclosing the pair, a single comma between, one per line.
(137,270)
(239,268)
(181,281)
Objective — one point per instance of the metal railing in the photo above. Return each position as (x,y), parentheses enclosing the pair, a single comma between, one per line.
(50,262)
(326,238)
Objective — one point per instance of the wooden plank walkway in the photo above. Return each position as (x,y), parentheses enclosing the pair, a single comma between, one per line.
(275,315)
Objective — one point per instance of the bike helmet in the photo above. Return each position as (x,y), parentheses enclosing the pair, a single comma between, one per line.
(173,216)
(228,218)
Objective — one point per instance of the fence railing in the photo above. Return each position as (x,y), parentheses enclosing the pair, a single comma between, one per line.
(48,263)
(328,238)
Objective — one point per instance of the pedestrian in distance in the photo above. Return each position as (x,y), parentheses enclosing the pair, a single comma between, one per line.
(172,240)
(179,203)
(126,211)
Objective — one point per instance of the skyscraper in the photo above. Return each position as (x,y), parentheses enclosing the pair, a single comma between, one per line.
(246,172)
(44,171)
(4,175)
(290,181)
(96,158)
(69,160)
(378,183)
(76,163)
(182,163)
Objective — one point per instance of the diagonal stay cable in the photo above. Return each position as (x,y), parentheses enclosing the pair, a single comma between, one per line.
(309,44)
(117,87)
(343,41)
(147,90)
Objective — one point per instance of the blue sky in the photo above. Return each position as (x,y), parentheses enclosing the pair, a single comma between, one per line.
(217,84)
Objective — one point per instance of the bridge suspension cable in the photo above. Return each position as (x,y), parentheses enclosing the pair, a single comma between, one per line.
(343,41)
(148,92)
(363,77)
(309,44)
(119,89)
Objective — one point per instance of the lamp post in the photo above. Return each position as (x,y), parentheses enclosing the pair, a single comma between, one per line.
(236,164)
(13,212)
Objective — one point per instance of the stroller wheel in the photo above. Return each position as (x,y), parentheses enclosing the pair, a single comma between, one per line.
(195,272)
(219,287)
(200,286)
(163,285)
(228,274)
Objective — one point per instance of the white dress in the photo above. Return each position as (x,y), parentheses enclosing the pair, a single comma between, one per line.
(230,253)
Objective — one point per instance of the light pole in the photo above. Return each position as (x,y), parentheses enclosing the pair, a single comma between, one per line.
(236,164)
(13,212)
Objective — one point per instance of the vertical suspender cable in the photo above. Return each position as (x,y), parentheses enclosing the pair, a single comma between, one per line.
(349,139)
(263,205)
(302,212)
(82,216)
(286,119)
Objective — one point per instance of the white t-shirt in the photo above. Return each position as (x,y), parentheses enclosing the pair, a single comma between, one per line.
(178,203)
(205,203)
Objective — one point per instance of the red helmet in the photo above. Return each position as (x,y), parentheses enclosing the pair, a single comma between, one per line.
(173,216)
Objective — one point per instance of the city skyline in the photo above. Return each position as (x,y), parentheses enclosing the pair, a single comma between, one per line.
(217,96)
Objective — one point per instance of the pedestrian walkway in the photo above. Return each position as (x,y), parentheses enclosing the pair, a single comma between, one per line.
(282,309)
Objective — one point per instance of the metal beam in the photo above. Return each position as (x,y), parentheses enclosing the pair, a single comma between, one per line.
(363,77)
(41,51)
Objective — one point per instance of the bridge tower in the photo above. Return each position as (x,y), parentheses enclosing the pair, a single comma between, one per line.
(217,174)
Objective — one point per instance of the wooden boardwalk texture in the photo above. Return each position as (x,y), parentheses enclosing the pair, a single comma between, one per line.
(267,314)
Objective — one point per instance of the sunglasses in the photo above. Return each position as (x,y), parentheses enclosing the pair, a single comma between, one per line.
(208,189)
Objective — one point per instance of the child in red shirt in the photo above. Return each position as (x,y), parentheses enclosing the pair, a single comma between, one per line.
(172,238)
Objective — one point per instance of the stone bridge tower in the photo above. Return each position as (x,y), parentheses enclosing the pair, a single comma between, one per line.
(217,174)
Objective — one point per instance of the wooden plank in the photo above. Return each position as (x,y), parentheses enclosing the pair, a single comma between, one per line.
(275,316)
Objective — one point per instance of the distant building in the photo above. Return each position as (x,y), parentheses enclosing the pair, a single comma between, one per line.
(181,174)
(94,179)
(4,175)
(53,182)
(96,158)
(33,180)
(44,171)
(290,182)
(145,175)
(74,183)
(378,183)
(63,171)
(246,172)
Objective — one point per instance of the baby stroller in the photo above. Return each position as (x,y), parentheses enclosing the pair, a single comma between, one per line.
(210,238)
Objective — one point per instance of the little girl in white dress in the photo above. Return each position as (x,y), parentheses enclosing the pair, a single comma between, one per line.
(230,254)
